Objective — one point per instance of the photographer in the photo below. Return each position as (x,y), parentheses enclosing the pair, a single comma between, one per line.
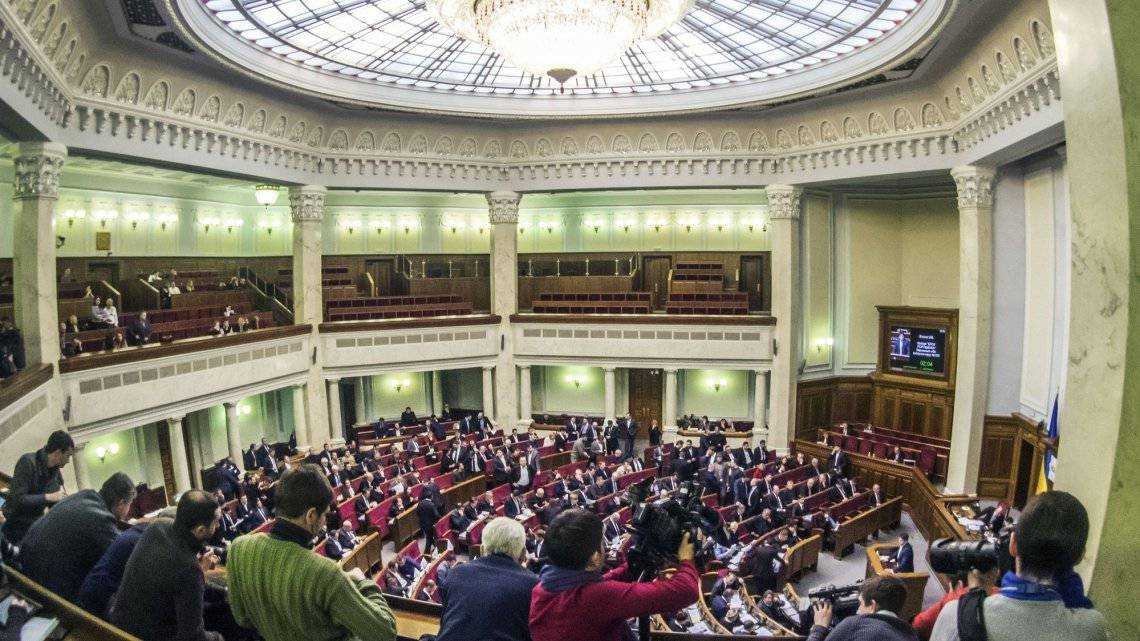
(880,599)
(574,600)
(1042,598)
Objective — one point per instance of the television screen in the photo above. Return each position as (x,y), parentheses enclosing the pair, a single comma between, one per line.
(918,349)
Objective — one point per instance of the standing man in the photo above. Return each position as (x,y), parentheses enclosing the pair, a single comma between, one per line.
(630,434)
(36,485)
(280,587)
(161,594)
(904,555)
(495,582)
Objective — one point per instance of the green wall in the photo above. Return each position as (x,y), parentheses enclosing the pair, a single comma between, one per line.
(697,395)
(414,392)
(463,388)
(553,389)
(129,459)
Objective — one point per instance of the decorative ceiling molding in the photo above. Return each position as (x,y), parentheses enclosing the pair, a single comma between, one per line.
(125,111)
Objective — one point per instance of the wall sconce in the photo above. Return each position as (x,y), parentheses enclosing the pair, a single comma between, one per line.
(716,384)
(454,224)
(73,215)
(136,217)
(753,223)
(522,227)
(576,379)
(482,226)
(625,224)
(690,222)
(720,222)
(350,225)
(408,224)
(657,224)
(548,225)
(165,219)
(207,222)
(824,342)
(596,225)
(233,222)
(105,215)
(399,384)
(102,452)
(244,410)
(268,224)
(380,226)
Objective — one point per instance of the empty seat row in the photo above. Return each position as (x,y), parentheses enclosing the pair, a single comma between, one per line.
(594,296)
(706,309)
(591,307)
(383,301)
(186,313)
(288,271)
(426,311)
(708,296)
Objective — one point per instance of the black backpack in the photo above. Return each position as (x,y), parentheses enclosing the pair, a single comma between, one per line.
(971,619)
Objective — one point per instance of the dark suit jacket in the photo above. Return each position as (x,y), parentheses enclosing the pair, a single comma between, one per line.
(904,558)
(489,584)
(438,431)
(427,513)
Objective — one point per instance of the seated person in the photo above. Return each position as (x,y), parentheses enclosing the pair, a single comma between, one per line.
(139,332)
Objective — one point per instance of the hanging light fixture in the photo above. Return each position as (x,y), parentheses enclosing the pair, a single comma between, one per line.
(266,195)
(558,38)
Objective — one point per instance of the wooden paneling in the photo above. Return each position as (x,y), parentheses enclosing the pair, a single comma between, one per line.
(409,323)
(15,387)
(477,290)
(914,407)
(826,401)
(1006,441)
(531,287)
(643,319)
(645,393)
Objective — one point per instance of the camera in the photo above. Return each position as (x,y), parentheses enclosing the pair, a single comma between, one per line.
(844,600)
(957,558)
(659,527)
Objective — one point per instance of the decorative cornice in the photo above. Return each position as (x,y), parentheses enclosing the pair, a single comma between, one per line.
(975,186)
(37,167)
(307,203)
(504,207)
(784,202)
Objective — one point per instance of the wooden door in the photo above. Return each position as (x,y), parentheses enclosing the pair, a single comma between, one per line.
(166,456)
(381,272)
(655,276)
(755,279)
(645,397)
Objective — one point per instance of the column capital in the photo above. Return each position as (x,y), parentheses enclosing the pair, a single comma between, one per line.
(175,419)
(488,368)
(307,203)
(229,404)
(975,185)
(784,202)
(609,369)
(670,370)
(333,379)
(37,167)
(503,207)
(526,367)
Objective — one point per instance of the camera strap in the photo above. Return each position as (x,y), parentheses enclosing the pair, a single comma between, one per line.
(971,619)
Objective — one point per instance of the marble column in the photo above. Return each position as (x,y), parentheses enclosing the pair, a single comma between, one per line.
(488,393)
(37,168)
(233,435)
(335,422)
(307,205)
(300,428)
(436,392)
(784,207)
(610,378)
(760,404)
(975,290)
(526,409)
(358,400)
(1098,459)
(503,207)
(80,468)
(178,458)
(669,413)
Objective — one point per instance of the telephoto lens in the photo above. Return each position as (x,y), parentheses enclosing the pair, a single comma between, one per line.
(948,556)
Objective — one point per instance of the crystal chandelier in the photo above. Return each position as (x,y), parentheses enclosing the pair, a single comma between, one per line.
(558,38)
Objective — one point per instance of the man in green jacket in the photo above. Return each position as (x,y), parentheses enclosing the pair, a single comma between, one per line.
(280,587)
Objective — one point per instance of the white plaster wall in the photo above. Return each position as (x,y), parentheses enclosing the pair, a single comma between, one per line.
(1008,292)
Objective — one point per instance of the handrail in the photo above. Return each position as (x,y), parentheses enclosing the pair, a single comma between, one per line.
(382,324)
(15,387)
(151,351)
(645,319)
(79,623)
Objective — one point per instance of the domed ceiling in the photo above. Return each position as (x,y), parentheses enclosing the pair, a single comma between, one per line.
(720,54)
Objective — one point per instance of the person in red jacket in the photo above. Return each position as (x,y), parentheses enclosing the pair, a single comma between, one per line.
(574,600)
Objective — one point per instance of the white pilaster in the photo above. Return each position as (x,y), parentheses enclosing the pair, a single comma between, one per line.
(488,393)
(436,392)
(784,206)
(307,206)
(358,400)
(81,470)
(526,409)
(233,436)
(975,289)
(335,422)
(503,208)
(611,392)
(178,458)
(669,413)
(37,167)
(300,428)
(760,404)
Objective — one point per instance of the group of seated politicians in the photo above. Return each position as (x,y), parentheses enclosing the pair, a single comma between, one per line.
(552,553)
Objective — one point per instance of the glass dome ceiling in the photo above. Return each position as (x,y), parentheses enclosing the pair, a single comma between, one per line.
(396,44)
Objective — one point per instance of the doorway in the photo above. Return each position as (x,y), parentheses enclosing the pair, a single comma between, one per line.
(645,396)
(381,270)
(755,279)
(655,276)
(1026,465)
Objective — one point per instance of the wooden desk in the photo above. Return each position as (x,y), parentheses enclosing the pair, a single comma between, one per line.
(414,618)
(407,524)
(79,624)
(730,435)
(858,527)
(915,581)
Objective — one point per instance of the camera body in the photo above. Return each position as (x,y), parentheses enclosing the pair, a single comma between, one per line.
(957,558)
(659,528)
(844,599)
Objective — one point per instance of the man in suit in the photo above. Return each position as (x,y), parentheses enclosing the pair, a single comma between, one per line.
(502,468)
(438,431)
(754,500)
(629,434)
(229,478)
(904,555)
(514,506)
(249,457)
(407,417)
(877,497)
(265,459)
(427,513)
(837,461)
(139,331)
(743,457)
